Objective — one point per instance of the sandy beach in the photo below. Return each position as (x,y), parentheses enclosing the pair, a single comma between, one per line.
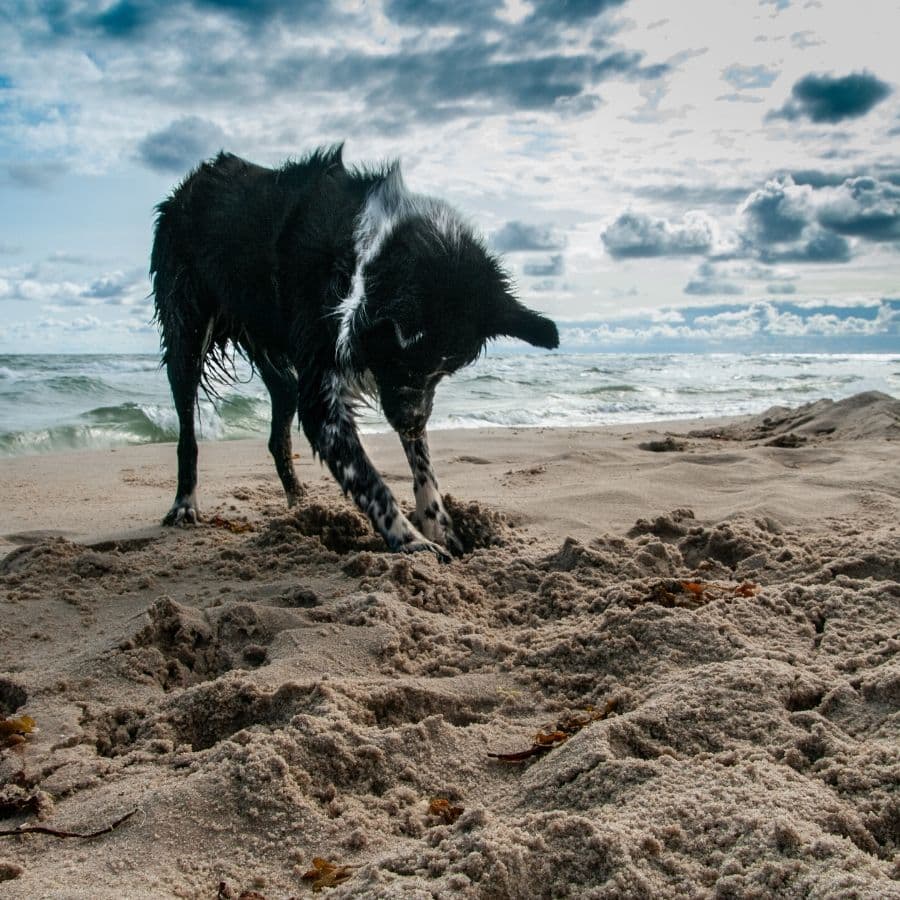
(684,638)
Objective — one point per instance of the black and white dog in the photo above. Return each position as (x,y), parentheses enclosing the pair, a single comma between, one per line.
(335,283)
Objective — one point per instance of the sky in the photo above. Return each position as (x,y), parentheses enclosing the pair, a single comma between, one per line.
(657,176)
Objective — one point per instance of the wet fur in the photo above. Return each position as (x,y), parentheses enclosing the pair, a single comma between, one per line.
(336,284)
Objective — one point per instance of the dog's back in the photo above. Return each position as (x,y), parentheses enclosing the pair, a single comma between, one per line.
(227,235)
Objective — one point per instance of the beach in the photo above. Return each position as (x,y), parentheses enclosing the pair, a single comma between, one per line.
(669,666)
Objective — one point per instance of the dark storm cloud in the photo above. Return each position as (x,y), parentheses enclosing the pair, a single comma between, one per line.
(634,235)
(516,236)
(549,268)
(865,208)
(826,99)
(180,145)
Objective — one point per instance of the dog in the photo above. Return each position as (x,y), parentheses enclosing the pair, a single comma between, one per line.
(337,284)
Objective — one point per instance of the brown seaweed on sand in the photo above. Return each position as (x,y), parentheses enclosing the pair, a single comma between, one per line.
(554,735)
(325,874)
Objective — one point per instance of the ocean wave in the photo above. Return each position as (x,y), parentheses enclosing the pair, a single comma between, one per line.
(610,389)
(58,402)
(66,437)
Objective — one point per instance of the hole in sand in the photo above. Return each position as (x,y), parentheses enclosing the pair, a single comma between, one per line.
(804,698)
(400,705)
(12,696)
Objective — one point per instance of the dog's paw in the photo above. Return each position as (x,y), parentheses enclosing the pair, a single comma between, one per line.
(183,512)
(453,543)
(440,530)
(425,546)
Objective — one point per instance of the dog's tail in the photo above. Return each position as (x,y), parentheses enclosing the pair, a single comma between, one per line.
(175,298)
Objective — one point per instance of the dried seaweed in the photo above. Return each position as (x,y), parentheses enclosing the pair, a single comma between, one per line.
(441,808)
(13,731)
(56,832)
(554,735)
(235,526)
(694,594)
(325,874)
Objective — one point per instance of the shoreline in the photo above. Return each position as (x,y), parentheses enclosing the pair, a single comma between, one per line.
(708,628)
(96,492)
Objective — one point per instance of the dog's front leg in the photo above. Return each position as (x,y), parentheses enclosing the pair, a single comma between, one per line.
(434,520)
(332,432)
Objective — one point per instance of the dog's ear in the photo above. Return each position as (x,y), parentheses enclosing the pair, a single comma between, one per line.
(400,323)
(515,320)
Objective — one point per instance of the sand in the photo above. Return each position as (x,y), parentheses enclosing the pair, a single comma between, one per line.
(691,631)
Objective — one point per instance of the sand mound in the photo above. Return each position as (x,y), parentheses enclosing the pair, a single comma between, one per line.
(289,690)
(745,663)
(867,415)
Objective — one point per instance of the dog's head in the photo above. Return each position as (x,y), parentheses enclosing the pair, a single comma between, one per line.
(434,296)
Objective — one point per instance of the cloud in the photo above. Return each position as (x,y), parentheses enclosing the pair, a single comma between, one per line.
(781,287)
(764,325)
(826,99)
(546,269)
(692,195)
(112,289)
(711,282)
(572,11)
(128,19)
(749,77)
(516,236)
(117,288)
(780,226)
(40,175)
(640,235)
(816,178)
(469,59)
(819,247)
(180,145)
(777,212)
(804,39)
(123,19)
(863,207)
(432,13)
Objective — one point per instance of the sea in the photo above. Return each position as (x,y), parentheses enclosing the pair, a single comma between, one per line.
(62,402)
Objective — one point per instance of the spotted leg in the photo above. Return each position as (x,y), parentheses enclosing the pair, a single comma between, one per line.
(433,518)
(331,430)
